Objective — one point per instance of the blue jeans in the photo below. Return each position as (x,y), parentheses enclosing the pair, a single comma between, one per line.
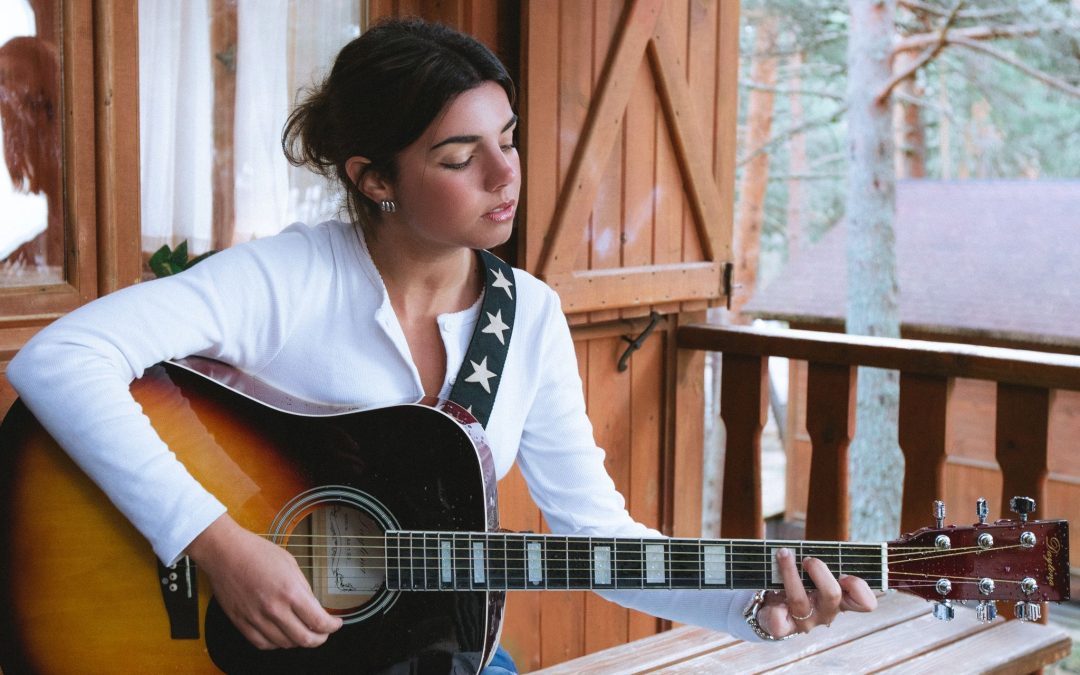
(501,664)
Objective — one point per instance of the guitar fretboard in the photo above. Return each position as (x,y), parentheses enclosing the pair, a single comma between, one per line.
(463,561)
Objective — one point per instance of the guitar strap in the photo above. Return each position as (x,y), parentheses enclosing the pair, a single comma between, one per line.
(478,379)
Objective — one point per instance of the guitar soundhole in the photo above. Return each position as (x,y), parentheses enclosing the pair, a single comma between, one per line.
(336,535)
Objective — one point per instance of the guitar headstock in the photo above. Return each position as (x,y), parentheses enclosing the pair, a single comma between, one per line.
(1021,561)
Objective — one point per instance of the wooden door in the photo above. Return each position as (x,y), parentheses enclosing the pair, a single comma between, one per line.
(628,128)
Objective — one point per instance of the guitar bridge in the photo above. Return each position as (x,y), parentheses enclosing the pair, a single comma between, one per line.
(180,590)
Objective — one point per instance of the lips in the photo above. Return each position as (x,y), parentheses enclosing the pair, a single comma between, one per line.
(501,213)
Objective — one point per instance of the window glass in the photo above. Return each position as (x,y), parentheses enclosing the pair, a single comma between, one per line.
(31,176)
(217,80)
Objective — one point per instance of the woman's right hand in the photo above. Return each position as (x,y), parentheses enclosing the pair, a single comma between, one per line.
(260,587)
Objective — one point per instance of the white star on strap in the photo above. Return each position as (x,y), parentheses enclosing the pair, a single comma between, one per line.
(481,374)
(502,282)
(496,326)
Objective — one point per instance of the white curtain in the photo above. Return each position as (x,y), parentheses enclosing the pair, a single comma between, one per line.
(175,137)
(282,46)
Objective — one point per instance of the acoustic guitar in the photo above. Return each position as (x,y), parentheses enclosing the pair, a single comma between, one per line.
(392,514)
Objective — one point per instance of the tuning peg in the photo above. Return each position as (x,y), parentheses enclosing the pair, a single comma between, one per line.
(986,611)
(982,510)
(943,610)
(939,513)
(1022,506)
(1028,611)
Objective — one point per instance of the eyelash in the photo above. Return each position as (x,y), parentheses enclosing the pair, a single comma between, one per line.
(461,165)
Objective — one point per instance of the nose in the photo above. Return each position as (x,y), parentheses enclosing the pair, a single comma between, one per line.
(503,170)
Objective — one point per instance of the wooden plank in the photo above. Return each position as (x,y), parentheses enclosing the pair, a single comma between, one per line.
(606,219)
(1039,369)
(745,657)
(683,453)
(1007,648)
(598,135)
(575,96)
(647,654)
(744,401)
(629,286)
(830,421)
(724,129)
(646,416)
(608,407)
(639,180)
(116,67)
(539,126)
(668,51)
(562,615)
(223,46)
(892,646)
(517,512)
(923,407)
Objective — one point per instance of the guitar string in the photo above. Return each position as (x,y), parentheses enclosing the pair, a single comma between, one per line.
(868,552)
(464,537)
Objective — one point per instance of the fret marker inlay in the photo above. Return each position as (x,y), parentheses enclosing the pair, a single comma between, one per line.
(602,564)
(478,562)
(536,569)
(654,564)
(446,565)
(715,564)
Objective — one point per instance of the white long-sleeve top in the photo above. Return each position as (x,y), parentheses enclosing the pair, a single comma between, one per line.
(307,312)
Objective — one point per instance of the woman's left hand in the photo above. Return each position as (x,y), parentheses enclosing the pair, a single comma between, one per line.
(796,610)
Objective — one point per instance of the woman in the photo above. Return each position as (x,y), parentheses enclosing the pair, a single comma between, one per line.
(416,122)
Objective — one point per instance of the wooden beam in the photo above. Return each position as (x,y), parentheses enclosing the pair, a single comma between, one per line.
(830,421)
(744,407)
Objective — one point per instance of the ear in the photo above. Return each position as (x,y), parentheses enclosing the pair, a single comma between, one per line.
(370,183)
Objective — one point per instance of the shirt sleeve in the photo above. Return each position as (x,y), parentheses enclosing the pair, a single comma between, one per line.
(565,472)
(75,375)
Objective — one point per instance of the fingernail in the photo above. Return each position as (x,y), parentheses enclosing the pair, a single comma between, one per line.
(784,553)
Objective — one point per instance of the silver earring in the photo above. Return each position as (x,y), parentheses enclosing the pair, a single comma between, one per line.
(387,206)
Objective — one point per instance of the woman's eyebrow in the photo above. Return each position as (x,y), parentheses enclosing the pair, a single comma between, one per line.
(473,139)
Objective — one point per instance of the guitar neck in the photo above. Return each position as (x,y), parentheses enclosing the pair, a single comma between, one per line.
(471,561)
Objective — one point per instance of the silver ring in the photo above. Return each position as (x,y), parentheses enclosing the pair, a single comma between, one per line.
(804,618)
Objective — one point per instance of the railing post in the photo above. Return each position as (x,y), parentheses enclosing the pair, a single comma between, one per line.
(1022,427)
(830,422)
(744,400)
(923,410)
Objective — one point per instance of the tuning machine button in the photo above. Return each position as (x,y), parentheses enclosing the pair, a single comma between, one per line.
(982,510)
(939,513)
(1022,506)
(1028,611)
(986,611)
(943,610)
(943,586)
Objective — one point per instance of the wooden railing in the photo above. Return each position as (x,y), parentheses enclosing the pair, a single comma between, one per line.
(1026,382)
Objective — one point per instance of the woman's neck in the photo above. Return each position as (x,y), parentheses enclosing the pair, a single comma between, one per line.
(428,282)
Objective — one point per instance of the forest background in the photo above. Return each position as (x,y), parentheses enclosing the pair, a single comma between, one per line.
(840,99)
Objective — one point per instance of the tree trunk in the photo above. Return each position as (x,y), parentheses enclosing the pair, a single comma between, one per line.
(797,166)
(755,177)
(875,459)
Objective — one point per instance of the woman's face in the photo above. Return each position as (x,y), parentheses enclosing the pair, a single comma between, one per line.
(458,184)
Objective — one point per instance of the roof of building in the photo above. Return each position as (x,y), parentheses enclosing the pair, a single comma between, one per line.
(992,259)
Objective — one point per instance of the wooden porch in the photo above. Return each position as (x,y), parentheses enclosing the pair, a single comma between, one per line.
(901,636)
